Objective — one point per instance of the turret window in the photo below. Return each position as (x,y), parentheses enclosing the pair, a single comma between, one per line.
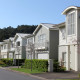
(71,23)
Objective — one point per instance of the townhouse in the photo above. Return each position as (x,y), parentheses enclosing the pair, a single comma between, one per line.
(49,41)
(20,45)
(5,49)
(30,47)
(46,41)
(69,39)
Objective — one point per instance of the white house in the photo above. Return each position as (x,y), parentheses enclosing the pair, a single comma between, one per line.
(30,51)
(46,41)
(20,45)
(5,49)
(11,48)
(69,39)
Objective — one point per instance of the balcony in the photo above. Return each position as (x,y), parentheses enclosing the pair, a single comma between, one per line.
(42,46)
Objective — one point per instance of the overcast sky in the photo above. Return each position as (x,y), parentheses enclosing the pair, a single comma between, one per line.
(33,12)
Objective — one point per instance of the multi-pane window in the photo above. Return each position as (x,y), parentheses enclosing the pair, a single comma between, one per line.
(12,45)
(63,31)
(64,58)
(41,38)
(71,23)
(30,40)
(5,46)
(18,43)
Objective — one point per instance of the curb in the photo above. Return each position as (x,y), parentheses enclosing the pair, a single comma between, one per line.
(26,74)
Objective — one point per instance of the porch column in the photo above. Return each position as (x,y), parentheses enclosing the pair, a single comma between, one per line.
(76,57)
(68,58)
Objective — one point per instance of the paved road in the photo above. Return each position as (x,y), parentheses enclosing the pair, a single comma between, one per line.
(9,75)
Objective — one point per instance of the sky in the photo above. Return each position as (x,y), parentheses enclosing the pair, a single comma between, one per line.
(33,12)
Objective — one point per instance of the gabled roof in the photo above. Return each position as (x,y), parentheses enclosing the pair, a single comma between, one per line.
(6,40)
(22,35)
(28,36)
(46,25)
(11,38)
(61,25)
(69,8)
(1,43)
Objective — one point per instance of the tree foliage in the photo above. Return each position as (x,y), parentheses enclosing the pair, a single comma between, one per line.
(5,33)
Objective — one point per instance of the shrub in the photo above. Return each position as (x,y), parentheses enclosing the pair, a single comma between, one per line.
(79,75)
(8,62)
(41,65)
(57,68)
(2,64)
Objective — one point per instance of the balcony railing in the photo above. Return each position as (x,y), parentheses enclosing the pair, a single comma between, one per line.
(42,46)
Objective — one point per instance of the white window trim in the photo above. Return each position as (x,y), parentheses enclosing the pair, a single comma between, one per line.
(74,23)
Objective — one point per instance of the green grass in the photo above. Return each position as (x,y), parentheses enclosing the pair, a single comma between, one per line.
(67,79)
(26,70)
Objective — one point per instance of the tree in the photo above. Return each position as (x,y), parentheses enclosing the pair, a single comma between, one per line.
(5,33)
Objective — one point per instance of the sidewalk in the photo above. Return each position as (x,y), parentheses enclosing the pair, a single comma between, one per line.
(59,75)
(53,75)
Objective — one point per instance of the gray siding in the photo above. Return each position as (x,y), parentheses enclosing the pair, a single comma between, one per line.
(54,42)
(42,30)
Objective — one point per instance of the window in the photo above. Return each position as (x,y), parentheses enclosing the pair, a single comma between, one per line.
(63,31)
(2,47)
(41,38)
(64,58)
(5,46)
(71,23)
(18,43)
(30,40)
(12,45)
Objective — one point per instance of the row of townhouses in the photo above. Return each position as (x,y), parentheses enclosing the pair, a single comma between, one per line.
(49,41)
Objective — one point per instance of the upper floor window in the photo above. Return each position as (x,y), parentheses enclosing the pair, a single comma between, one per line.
(12,45)
(18,43)
(63,31)
(5,46)
(2,47)
(41,38)
(29,40)
(71,23)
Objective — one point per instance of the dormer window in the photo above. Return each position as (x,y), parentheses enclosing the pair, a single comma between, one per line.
(71,23)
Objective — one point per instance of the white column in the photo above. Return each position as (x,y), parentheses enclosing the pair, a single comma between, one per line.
(76,58)
(68,58)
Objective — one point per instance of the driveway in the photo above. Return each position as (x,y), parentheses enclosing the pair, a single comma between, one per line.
(9,75)
(59,75)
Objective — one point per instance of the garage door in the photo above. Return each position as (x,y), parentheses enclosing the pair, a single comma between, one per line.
(43,56)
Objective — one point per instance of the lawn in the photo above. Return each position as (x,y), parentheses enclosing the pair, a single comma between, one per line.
(26,70)
(67,79)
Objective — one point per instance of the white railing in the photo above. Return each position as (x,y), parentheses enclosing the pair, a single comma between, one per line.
(43,45)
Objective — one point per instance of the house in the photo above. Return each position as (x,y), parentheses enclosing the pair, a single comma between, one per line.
(30,51)
(20,45)
(4,48)
(46,41)
(69,39)
(11,48)
(7,48)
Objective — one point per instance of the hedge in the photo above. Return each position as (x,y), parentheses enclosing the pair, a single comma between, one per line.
(38,64)
(8,62)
